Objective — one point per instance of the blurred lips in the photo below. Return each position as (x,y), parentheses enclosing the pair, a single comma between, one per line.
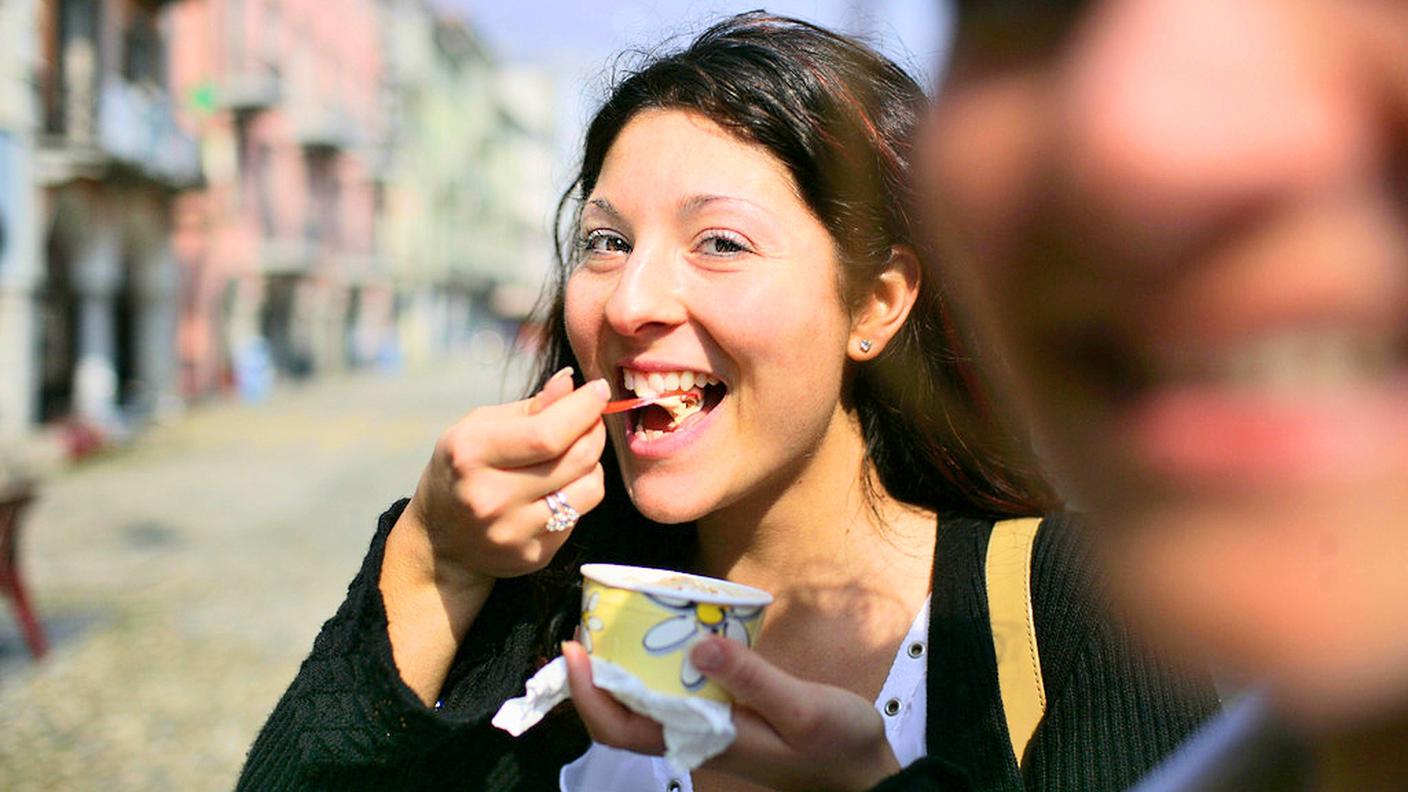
(1274,353)
(1283,406)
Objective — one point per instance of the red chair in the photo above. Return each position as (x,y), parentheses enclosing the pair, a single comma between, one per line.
(12,508)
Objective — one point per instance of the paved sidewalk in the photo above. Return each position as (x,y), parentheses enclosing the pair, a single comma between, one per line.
(182,580)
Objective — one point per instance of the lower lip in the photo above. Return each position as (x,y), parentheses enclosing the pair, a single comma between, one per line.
(672,443)
(1209,436)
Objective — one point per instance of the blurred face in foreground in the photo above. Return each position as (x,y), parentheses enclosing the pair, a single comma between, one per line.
(1186,224)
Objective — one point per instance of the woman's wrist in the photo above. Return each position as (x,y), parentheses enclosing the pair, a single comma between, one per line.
(429,608)
(410,555)
(888,766)
(882,765)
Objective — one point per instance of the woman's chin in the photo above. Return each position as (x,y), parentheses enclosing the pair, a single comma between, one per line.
(669,503)
(1298,592)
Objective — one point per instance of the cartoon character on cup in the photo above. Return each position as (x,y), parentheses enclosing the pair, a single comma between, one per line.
(692,621)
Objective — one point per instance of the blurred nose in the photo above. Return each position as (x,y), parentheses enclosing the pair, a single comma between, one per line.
(1180,111)
(647,298)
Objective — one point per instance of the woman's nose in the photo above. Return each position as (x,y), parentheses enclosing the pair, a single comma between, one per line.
(647,297)
(1179,111)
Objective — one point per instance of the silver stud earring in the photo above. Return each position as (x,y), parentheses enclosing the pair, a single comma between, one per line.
(864,345)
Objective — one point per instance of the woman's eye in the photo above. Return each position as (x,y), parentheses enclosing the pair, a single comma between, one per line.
(601,241)
(721,244)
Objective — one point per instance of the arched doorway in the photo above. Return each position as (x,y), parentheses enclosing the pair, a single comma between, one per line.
(58,330)
(126,316)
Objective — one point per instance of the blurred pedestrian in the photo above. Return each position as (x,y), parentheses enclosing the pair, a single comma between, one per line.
(1185,222)
(741,231)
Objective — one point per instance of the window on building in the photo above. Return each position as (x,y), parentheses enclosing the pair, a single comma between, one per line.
(143,56)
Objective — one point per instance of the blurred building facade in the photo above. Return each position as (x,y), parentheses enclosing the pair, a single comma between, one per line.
(201,195)
(109,159)
(19,244)
(286,96)
(469,186)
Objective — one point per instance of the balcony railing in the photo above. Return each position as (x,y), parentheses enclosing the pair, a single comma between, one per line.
(136,126)
(250,89)
(324,128)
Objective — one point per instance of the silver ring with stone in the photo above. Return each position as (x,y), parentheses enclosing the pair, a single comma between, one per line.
(563,515)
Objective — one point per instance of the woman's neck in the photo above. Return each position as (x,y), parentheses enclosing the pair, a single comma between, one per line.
(822,524)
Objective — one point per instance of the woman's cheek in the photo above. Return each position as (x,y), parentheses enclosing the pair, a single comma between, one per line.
(582,314)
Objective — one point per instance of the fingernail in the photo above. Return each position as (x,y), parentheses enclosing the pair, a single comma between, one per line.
(707,656)
(603,390)
(565,371)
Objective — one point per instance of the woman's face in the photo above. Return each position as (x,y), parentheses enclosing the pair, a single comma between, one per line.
(1189,228)
(703,269)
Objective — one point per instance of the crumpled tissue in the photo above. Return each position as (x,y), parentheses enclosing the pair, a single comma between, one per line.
(696,729)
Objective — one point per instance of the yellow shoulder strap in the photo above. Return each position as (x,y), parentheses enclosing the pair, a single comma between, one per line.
(1009,583)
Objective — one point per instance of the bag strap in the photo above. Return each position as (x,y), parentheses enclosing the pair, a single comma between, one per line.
(1009,585)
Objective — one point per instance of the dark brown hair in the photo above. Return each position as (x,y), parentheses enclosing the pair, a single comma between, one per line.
(841,118)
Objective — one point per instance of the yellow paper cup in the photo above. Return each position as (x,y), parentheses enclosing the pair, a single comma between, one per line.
(646,621)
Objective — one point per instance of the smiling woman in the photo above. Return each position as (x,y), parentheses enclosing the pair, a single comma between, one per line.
(740,256)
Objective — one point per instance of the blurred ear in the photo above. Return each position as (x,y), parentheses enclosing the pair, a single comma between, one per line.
(885,306)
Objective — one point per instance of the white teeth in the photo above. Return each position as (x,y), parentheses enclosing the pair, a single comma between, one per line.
(1295,362)
(651,384)
(647,384)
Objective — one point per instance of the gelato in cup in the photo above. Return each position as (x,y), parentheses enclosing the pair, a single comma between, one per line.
(646,621)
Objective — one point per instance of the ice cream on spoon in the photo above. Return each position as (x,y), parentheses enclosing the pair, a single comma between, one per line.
(679,403)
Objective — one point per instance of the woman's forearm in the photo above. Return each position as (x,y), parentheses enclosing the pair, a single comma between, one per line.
(428,609)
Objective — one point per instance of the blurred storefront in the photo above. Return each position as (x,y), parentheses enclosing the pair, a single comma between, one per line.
(202,196)
(109,160)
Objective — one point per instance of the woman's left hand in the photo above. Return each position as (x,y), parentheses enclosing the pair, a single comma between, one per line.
(792,734)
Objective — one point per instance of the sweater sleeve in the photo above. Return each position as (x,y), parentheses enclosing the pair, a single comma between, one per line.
(1115,707)
(349,722)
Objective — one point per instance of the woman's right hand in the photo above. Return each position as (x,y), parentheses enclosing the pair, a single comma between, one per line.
(480,501)
(478,514)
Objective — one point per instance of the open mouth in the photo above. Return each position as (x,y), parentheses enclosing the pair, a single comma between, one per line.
(688,397)
(1290,403)
(1293,364)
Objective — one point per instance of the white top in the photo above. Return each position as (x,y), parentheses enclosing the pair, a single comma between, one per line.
(901,703)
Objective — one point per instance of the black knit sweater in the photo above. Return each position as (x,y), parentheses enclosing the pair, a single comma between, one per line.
(349,722)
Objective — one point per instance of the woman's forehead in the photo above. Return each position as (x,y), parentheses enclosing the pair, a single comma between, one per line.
(692,163)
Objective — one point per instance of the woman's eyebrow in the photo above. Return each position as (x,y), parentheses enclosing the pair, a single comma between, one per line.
(688,206)
(697,203)
(605,206)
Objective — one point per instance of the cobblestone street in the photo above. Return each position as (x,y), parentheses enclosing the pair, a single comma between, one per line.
(181,580)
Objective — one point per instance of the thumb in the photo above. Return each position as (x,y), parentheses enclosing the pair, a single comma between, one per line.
(778,697)
(559,385)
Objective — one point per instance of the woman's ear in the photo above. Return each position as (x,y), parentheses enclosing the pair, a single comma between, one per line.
(885,305)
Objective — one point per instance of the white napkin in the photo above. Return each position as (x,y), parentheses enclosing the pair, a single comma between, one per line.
(696,729)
